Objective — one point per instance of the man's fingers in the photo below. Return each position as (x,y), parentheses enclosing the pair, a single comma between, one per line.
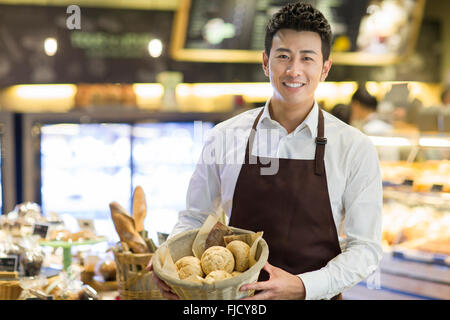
(263,285)
(161,284)
(169,295)
(149,267)
(263,295)
(269,268)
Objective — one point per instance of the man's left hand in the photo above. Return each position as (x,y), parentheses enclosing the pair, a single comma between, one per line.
(281,285)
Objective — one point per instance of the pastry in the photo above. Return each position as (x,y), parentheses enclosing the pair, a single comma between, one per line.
(189,266)
(241,252)
(107,270)
(125,228)
(217,258)
(217,275)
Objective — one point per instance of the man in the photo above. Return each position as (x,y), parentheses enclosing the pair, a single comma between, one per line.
(364,114)
(327,178)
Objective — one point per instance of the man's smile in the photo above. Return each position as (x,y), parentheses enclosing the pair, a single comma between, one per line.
(294,84)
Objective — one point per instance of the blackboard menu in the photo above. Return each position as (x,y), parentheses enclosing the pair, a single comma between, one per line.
(216,30)
(237,24)
(110,46)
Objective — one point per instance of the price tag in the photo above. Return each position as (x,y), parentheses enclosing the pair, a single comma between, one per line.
(86,224)
(437,188)
(408,182)
(40,229)
(10,263)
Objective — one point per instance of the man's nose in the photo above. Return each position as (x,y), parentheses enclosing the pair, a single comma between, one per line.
(294,69)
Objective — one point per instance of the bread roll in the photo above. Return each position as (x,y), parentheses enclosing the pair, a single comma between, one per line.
(217,275)
(189,266)
(241,253)
(235,273)
(217,258)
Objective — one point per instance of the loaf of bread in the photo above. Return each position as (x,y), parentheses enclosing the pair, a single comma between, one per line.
(125,228)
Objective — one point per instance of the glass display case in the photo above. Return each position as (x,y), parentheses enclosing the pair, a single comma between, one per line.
(75,167)
(164,158)
(416,196)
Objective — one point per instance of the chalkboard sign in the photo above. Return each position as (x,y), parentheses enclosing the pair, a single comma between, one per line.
(234,30)
(112,45)
(9,263)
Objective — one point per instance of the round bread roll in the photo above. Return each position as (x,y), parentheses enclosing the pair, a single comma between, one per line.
(189,266)
(217,275)
(217,258)
(241,253)
(236,273)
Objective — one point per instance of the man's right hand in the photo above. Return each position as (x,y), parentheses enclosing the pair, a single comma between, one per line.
(163,287)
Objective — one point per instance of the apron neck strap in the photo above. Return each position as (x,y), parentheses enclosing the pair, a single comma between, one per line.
(251,138)
(321,141)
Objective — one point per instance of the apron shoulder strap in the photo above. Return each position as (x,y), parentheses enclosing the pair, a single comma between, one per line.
(321,141)
(252,138)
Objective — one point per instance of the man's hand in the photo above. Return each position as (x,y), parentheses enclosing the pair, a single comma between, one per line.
(164,288)
(281,285)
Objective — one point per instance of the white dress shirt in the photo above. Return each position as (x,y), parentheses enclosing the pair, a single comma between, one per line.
(354,186)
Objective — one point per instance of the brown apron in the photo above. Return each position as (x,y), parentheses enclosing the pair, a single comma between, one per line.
(292,207)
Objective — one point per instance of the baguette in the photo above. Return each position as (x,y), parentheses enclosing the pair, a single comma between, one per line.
(125,228)
(139,208)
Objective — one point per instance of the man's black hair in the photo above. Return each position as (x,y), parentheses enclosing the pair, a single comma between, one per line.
(365,98)
(300,17)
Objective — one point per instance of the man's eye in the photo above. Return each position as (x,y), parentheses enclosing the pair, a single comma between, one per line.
(283,56)
(307,59)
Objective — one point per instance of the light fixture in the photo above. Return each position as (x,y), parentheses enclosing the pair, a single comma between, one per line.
(390,141)
(434,142)
(155,48)
(50,46)
(45,91)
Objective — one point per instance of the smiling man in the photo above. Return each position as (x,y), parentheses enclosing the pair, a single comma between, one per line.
(321,210)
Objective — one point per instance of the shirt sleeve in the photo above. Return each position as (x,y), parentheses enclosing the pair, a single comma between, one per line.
(361,249)
(203,194)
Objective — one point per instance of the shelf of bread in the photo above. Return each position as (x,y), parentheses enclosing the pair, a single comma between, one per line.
(416,210)
(33,250)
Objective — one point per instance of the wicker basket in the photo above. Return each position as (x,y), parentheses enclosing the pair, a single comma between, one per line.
(134,282)
(181,246)
(10,290)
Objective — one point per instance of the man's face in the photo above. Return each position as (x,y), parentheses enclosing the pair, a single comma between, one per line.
(295,67)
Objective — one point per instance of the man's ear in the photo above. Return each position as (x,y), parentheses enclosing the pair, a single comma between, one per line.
(265,64)
(326,68)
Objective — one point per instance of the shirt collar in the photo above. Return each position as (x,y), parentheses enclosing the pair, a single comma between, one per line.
(311,120)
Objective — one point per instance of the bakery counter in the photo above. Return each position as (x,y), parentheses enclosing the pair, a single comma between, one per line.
(402,279)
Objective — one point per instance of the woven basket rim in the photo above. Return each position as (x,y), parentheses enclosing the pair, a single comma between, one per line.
(240,279)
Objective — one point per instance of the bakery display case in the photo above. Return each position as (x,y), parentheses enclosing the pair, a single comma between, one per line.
(76,163)
(416,218)
(416,196)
